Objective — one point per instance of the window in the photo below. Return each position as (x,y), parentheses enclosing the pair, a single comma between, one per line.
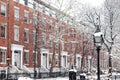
(26,2)
(2,55)
(68,46)
(50,43)
(3,31)
(43,39)
(17,0)
(26,35)
(50,40)
(35,60)
(34,35)
(34,20)
(3,9)
(26,57)
(73,47)
(56,45)
(26,16)
(50,25)
(57,28)
(16,33)
(44,24)
(16,14)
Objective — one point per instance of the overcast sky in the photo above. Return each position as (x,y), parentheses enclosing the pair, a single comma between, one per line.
(93,3)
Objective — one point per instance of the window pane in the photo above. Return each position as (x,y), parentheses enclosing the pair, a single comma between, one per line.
(26,35)
(2,56)
(34,34)
(16,33)
(3,31)
(3,9)
(26,16)
(16,14)
(26,57)
(26,2)
(34,20)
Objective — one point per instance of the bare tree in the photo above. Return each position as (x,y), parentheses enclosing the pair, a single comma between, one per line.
(108,22)
(111,31)
(60,29)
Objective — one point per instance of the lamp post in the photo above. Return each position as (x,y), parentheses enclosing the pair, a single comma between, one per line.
(98,41)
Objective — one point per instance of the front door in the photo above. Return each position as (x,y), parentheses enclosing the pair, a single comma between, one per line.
(17,58)
(45,59)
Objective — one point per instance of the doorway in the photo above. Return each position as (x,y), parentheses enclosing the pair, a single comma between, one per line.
(17,58)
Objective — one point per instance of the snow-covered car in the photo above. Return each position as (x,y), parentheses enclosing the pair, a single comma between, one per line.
(24,78)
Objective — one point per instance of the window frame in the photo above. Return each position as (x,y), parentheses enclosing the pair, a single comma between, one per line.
(26,16)
(16,33)
(3,62)
(17,16)
(3,12)
(34,20)
(26,57)
(26,36)
(3,25)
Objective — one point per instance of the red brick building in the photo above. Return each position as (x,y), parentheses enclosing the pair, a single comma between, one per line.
(57,42)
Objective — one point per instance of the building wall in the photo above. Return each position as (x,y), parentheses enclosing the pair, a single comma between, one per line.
(71,37)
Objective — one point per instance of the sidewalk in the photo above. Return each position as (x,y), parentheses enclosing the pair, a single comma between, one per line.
(57,78)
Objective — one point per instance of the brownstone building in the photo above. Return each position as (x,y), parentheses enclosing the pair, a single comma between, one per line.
(28,27)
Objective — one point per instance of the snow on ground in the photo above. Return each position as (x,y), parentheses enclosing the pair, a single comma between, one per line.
(58,78)
(92,77)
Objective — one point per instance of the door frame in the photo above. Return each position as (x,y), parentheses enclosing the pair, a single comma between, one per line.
(16,47)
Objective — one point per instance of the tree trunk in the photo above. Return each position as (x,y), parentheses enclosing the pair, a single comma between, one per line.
(53,59)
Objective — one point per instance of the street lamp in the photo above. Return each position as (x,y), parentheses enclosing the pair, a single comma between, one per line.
(98,41)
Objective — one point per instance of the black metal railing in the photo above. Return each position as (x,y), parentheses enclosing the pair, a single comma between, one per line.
(14,76)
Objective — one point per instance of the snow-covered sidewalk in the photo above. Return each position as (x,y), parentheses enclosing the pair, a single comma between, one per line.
(58,78)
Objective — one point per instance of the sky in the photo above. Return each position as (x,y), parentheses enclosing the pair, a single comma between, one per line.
(93,3)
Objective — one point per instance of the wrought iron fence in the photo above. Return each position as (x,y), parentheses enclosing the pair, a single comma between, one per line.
(14,76)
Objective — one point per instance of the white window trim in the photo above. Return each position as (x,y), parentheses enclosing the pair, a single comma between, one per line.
(4,48)
(26,29)
(6,8)
(5,24)
(34,35)
(28,56)
(17,27)
(25,11)
(17,18)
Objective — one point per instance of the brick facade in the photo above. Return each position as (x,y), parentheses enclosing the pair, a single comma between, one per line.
(70,46)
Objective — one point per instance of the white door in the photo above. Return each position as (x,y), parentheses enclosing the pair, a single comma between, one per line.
(78,62)
(17,58)
(64,61)
(44,59)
